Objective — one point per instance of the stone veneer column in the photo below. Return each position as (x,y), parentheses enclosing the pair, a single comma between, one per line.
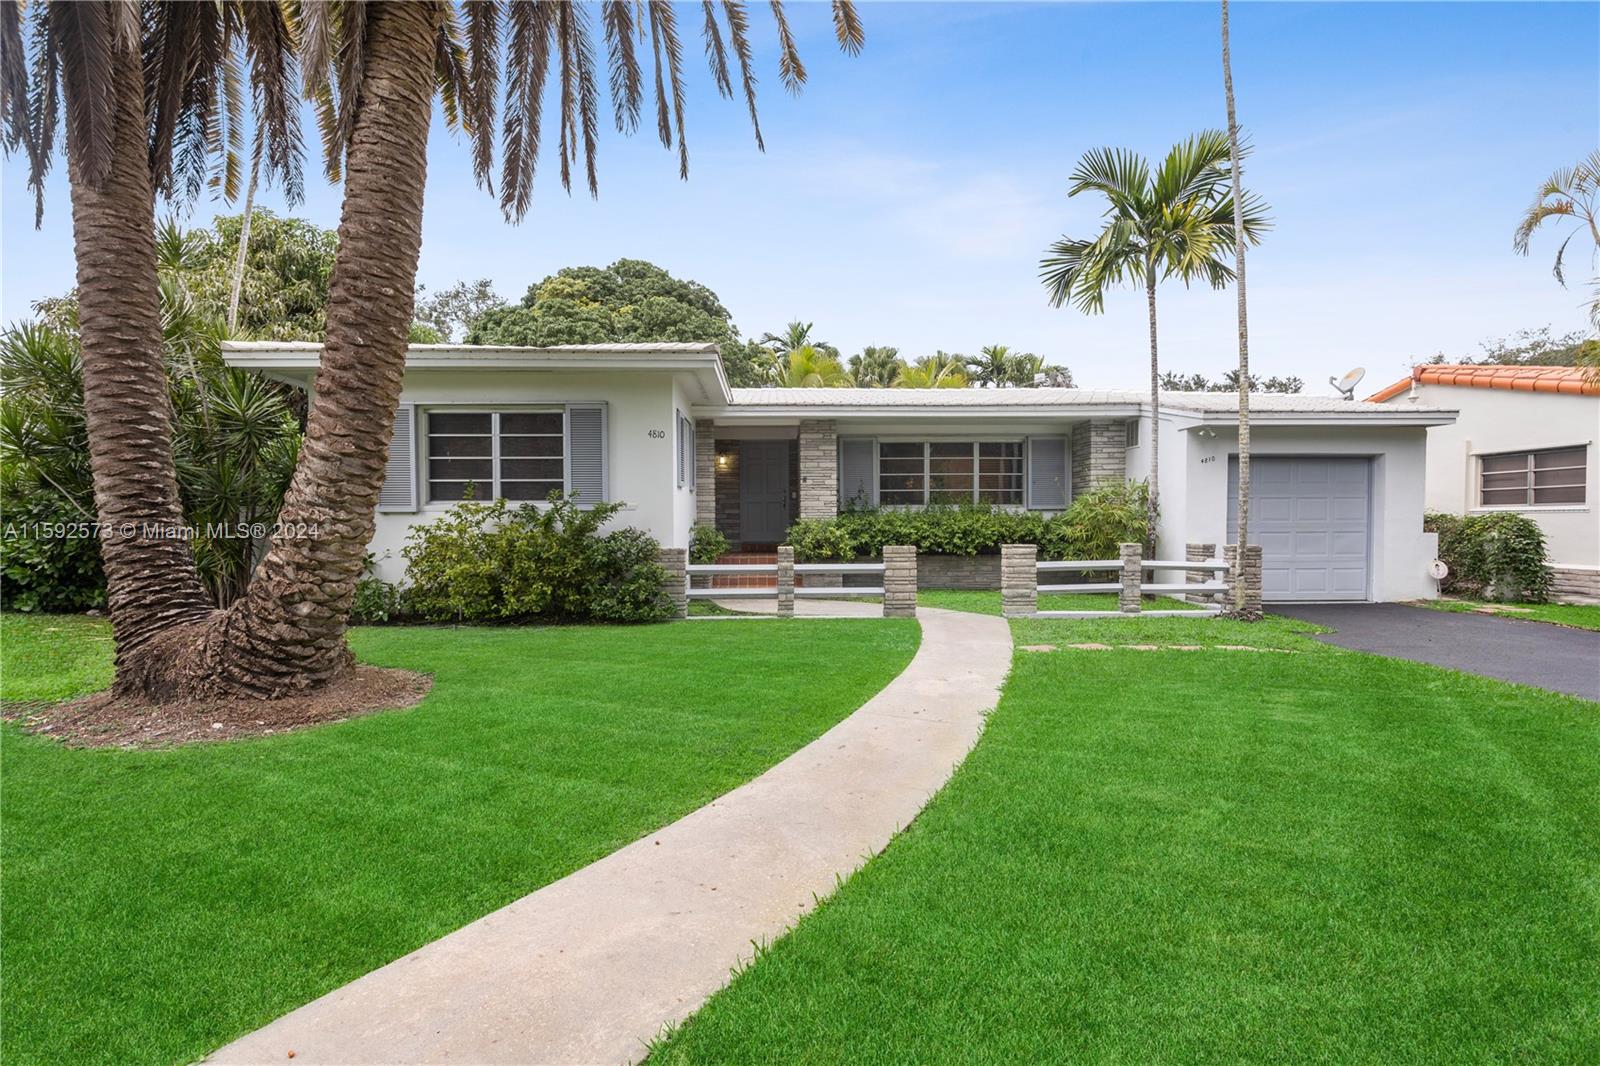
(819,469)
(1199,553)
(1252,577)
(1099,453)
(785,581)
(899,581)
(1019,580)
(705,473)
(673,586)
(1128,601)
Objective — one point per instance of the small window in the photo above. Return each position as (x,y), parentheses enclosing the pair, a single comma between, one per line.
(1132,433)
(513,455)
(1554,477)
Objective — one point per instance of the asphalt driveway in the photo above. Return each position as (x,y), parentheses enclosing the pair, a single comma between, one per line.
(1532,653)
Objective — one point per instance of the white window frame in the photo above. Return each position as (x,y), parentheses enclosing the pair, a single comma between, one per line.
(1529,487)
(426,447)
(927,469)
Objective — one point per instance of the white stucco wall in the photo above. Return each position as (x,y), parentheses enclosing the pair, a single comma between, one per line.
(641,466)
(1500,420)
(1400,549)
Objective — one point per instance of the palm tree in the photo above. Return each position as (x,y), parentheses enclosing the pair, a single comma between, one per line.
(993,367)
(373,71)
(932,372)
(1235,173)
(875,367)
(1570,193)
(1178,222)
(808,367)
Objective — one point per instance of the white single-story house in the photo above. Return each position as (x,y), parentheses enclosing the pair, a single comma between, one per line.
(1524,441)
(1337,493)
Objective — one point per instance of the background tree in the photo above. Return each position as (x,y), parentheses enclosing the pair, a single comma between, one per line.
(808,367)
(1528,347)
(991,367)
(373,71)
(1572,193)
(1229,382)
(1177,222)
(795,335)
(454,311)
(937,371)
(876,367)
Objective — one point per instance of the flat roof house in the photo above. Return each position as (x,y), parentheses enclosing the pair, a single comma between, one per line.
(1337,486)
(1524,441)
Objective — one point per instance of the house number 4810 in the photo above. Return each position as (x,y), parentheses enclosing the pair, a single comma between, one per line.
(658,434)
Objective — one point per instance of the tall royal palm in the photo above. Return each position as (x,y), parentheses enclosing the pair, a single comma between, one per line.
(1177,222)
(1242,375)
(374,70)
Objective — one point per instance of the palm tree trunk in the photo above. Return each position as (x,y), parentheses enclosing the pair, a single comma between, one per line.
(237,285)
(152,583)
(287,633)
(1154,510)
(1244,325)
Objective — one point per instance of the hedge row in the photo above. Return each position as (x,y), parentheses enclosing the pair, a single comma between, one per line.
(1498,555)
(1091,528)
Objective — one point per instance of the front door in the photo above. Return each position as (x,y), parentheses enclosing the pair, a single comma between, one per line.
(763,491)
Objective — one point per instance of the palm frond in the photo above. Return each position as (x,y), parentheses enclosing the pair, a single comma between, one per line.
(1193,169)
(86,46)
(483,84)
(661,13)
(627,83)
(43,108)
(532,26)
(790,70)
(847,27)
(274,76)
(716,53)
(13,76)
(1116,173)
(739,38)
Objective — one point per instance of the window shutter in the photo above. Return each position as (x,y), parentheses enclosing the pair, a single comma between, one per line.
(586,453)
(688,451)
(399,492)
(681,437)
(858,471)
(1047,473)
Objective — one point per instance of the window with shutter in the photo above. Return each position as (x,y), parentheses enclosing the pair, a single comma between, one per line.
(1048,488)
(858,476)
(587,476)
(399,492)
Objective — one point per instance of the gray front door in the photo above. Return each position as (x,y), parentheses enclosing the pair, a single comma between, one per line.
(1310,517)
(763,491)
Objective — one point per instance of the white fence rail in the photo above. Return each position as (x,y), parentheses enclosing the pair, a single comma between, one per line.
(1021,583)
(786,588)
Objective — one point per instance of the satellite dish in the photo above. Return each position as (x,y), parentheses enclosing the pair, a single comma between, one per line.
(1347,384)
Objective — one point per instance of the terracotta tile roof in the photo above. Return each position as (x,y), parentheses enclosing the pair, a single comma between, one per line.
(1566,380)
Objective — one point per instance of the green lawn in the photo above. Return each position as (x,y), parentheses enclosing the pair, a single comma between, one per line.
(156,904)
(1213,856)
(1581,616)
(989,602)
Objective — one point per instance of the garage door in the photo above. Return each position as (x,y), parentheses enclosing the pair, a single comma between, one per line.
(1310,517)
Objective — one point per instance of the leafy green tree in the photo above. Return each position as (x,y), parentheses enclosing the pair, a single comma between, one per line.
(811,368)
(452,312)
(796,335)
(1529,347)
(1177,222)
(1171,382)
(932,372)
(991,367)
(876,367)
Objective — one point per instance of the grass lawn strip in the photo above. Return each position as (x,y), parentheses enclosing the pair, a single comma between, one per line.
(1573,615)
(156,904)
(1213,857)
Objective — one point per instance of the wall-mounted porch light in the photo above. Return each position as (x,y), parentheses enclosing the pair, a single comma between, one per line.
(723,459)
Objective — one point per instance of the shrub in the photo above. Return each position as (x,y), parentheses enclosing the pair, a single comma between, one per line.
(49,557)
(706,545)
(1500,555)
(1091,528)
(485,562)
(377,601)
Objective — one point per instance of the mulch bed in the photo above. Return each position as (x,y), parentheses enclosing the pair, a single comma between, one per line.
(101,720)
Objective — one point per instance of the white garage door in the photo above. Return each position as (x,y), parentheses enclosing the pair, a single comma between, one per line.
(1310,517)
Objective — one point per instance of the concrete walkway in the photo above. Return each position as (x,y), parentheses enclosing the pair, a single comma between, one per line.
(590,968)
(1532,653)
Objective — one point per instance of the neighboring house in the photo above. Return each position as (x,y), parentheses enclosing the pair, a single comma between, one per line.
(1336,486)
(1524,441)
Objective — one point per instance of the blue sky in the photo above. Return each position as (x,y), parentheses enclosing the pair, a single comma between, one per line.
(906,195)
